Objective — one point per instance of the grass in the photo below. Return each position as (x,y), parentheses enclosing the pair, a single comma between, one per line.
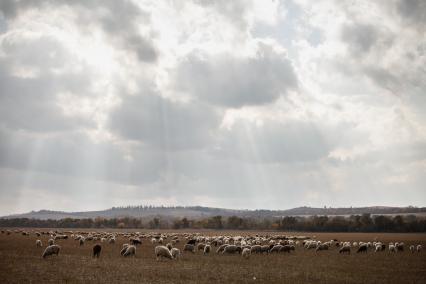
(21,262)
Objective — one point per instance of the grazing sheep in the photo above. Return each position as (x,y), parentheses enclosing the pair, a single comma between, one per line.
(276,248)
(175,253)
(162,251)
(399,246)
(321,247)
(97,250)
(81,241)
(50,242)
(124,248)
(246,253)
(412,249)
(130,251)
(135,241)
(111,241)
(189,247)
(39,243)
(392,248)
(419,248)
(256,249)
(231,249)
(344,249)
(51,250)
(207,249)
(221,248)
(200,246)
(266,248)
(287,248)
(191,242)
(362,248)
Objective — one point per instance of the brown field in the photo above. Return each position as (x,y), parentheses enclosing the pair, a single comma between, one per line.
(21,262)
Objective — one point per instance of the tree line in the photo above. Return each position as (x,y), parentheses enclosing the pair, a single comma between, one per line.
(353,223)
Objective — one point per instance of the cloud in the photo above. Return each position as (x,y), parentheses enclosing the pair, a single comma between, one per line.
(160,122)
(107,103)
(230,81)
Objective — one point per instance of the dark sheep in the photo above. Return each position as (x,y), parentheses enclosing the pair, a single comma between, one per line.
(97,250)
(191,242)
(362,248)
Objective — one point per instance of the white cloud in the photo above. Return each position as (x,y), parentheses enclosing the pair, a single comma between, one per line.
(230,104)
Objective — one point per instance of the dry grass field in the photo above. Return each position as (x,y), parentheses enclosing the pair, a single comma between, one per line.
(21,262)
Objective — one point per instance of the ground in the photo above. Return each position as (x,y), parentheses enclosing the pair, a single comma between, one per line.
(21,262)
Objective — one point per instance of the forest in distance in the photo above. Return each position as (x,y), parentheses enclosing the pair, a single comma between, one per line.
(354,223)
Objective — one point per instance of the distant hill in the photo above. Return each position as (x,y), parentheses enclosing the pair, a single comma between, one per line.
(195,212)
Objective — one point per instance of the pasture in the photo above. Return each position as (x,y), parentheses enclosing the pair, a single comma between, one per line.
(21,261)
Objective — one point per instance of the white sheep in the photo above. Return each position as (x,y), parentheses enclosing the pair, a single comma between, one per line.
(419,248)
(130,251)
(39,243)
(392,248)
(162,251)
(50,250)
(81,241)
(412,249)
(175,253)
(246,253)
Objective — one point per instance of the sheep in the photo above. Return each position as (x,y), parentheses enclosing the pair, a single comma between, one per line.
(130,251)
(419,248)
(51,250)
(266,248)
(200,246)
(321,247)
(221,248)
(81,241)
(50,242)
(287,248)
(276,248)
(207,249)
(392,248)
(175,253)
(135,241)
(153,240)
(412,249)
(191,242)
(124,248)
(399,246)
(362,248)
(111,241)
(345,248)
(256,249)
(162,251)
(189,247)
(97,250)
(231,249)
(246,253)
(39,243)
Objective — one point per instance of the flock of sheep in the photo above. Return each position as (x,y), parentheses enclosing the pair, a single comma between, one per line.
(165,244)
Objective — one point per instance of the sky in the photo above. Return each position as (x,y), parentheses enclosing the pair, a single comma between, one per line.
(234,104)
